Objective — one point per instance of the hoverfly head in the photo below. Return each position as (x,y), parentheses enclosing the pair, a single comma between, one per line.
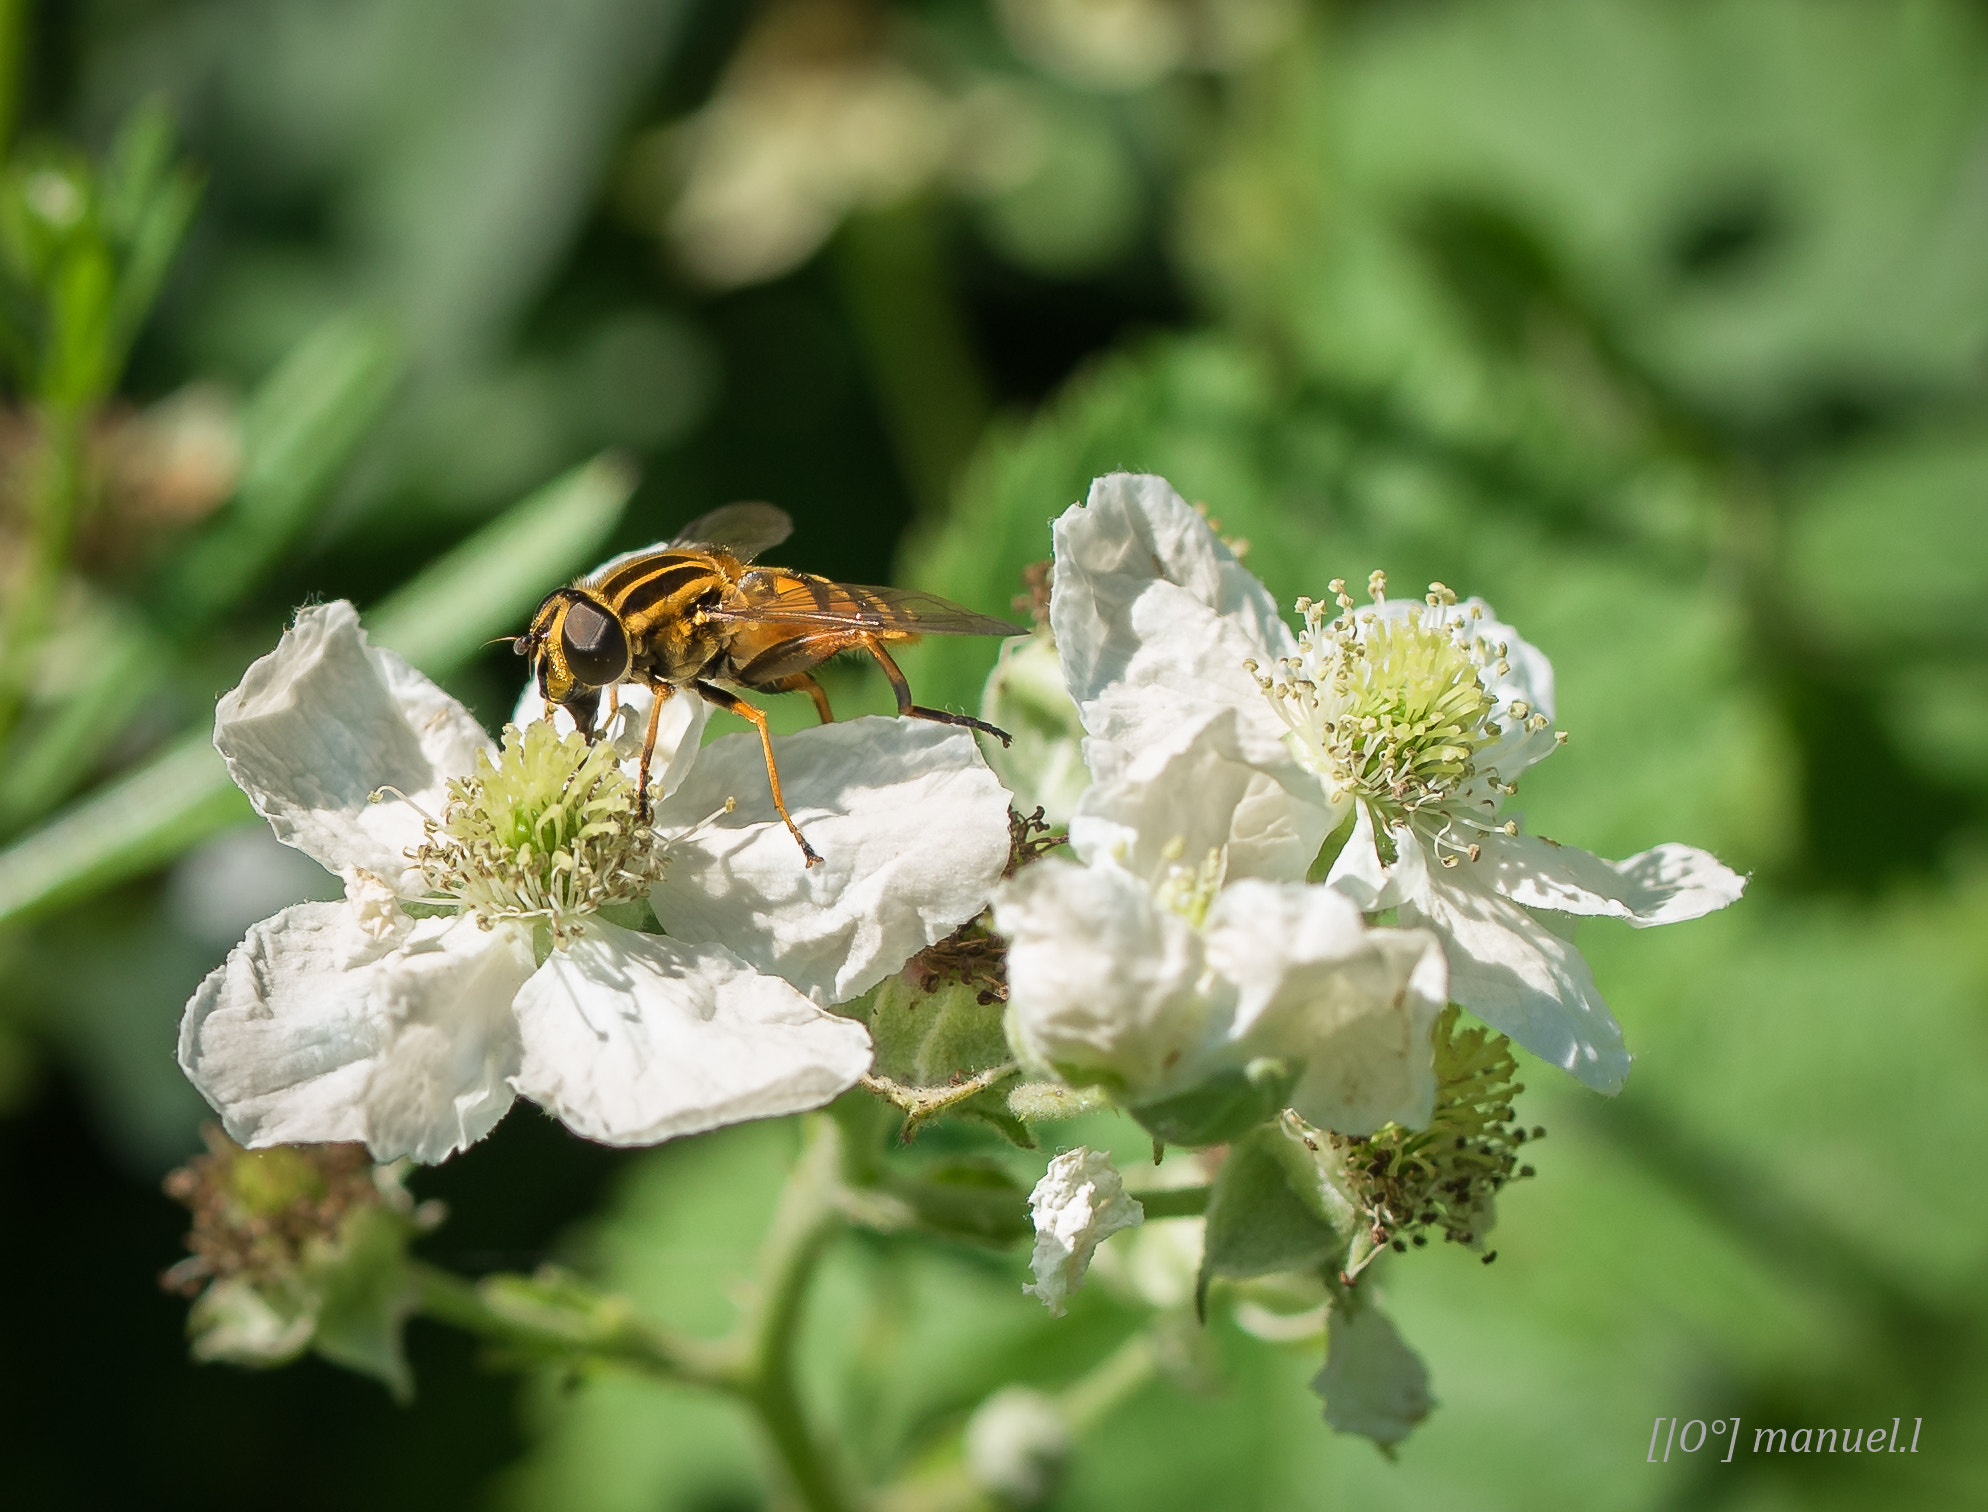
(592,643)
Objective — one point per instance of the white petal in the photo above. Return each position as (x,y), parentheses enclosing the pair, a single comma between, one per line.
(911,826)
(314,1031)
(1103,984)
(679,731)
(1528,676)
(1666,885)
(322,722)
(1520,977)
(1353,1006)
(633,1038)
(1154,618)
(1079,1203)
(1197,789)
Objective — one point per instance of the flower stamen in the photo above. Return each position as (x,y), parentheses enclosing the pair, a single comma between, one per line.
(1391,708)
(547,832)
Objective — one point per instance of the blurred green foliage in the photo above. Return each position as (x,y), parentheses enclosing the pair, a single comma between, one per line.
(1659,325)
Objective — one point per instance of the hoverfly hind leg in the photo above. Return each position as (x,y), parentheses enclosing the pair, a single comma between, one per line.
(908,710)
(801,682)
(738,706)
(965,722)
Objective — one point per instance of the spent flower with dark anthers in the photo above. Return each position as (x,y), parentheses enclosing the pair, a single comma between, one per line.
(257,1212)
(1445,1176)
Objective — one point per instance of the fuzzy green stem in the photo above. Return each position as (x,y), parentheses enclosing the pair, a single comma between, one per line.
(1175,1202)
(920,1105)
(808,1218)
(564,1320)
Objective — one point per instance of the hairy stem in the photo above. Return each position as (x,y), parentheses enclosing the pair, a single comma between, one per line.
(565,1320)
(808,1218)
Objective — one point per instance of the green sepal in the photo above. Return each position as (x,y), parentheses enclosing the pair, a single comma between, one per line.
(1221,1109)
(1373,1384)
(367,1295)
(1268,1213)
(1328,853)
(940,1038)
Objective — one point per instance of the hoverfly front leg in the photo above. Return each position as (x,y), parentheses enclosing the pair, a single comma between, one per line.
(909,710)
(745,710)
(663,692)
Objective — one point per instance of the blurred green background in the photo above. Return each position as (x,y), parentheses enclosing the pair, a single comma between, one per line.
(1662,324)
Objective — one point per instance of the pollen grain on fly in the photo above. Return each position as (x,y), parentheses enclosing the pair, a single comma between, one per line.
(695,613)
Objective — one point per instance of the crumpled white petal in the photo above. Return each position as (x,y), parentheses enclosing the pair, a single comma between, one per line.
(1353,1006)
(1154,618)
(1103,983)
(1196,789)
(633,1038)
(1665,885)
(1520,977)
(324,720)
(679,731)
(1079,1203)
(911,826)
(315,1031)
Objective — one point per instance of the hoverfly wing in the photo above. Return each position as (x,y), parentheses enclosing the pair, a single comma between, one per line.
(740,530)
(805,601)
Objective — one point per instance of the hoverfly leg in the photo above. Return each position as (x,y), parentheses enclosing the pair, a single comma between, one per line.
(745,710)
(662,690)
(802,682)
(908,710)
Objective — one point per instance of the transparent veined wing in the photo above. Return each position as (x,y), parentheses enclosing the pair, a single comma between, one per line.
(742,530)
(805,601)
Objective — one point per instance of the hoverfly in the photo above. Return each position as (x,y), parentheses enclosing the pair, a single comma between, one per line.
(694,612)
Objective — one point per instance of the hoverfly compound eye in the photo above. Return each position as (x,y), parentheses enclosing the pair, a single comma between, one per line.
(594,645)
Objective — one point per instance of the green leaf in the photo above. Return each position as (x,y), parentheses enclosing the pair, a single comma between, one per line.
(926,1039)
(54,754)
(437,622)
(1259,1222)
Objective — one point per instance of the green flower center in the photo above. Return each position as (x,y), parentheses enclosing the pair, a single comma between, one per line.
(1190,891)
(548,831)
(1390,710)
